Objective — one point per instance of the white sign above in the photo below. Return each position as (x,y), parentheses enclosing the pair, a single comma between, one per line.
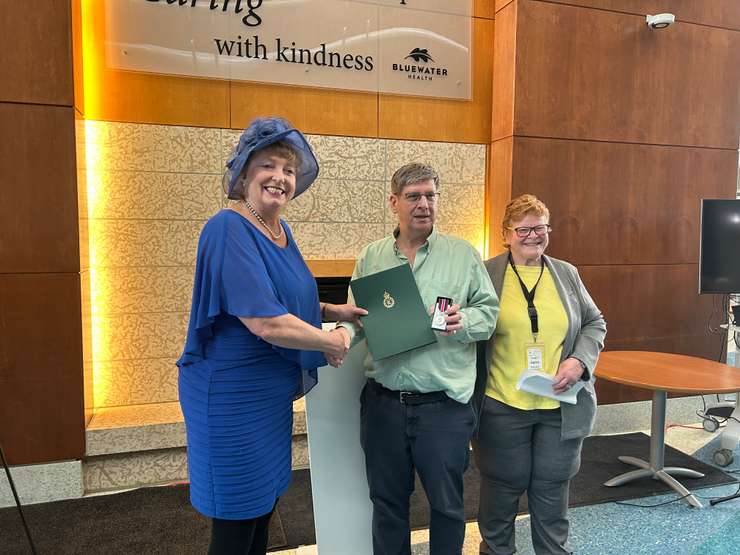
(391,46)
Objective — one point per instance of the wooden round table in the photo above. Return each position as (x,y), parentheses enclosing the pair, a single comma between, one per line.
(661,373)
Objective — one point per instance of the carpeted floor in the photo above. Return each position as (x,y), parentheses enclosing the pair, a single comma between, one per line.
(160,520)
(723,541)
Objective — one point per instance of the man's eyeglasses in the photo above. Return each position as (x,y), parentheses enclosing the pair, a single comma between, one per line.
(539,230)
(415,198)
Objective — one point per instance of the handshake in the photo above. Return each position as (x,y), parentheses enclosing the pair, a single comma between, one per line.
(339,338)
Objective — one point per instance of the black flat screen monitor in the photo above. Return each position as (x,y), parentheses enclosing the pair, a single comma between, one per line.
(719,254)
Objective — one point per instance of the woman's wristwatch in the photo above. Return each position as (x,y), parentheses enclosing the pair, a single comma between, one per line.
(586,375)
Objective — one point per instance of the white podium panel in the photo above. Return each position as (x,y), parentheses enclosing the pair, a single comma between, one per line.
(341,505)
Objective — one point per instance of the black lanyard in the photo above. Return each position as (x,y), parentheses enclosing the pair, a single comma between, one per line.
(529,295)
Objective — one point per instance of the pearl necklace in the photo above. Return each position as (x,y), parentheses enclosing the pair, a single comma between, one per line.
(274,235)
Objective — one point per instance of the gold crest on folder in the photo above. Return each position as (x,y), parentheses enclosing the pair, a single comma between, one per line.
(388,301)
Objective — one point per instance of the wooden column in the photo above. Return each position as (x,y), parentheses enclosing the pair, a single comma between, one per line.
(621,130)
(41,383)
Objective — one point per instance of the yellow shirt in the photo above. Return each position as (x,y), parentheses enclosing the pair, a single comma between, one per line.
(514,333)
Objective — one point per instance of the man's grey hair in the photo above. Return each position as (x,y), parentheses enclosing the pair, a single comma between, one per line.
(410,174)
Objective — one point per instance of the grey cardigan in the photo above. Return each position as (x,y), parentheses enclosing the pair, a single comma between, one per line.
(583,340)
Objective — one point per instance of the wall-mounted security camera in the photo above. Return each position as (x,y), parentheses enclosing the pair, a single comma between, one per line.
(660,21)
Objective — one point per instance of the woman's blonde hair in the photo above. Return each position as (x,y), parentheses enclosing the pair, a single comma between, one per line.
(520,207)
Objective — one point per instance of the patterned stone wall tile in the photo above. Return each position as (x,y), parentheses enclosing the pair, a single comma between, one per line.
(455,162)
(143,289)
(154,195)
(299,416)
(462,204)
(161,466)
(117,243)
(136,382)
(349,157)
(338,157)
(326,241)
(299,452)
(299,423)
(134,469)
(229,140)
(473,234)
(81,193)
(41,483)
(390,217)
(136,416)
(86,313)
(160,148)
(330,200)
(138,336)
(84,244)
(80,150)
(85,292)
(87,350)
(128,440)
(88,385)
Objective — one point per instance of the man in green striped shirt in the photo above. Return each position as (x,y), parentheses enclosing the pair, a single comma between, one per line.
(416,412)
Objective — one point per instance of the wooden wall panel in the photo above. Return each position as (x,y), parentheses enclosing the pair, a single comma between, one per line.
(484,9)
(331,268)
(704,345)
(634,203)
(41,393)
(430,119)
(37,52)
(648,301)
(77,58)
(593,74)
(318,111)
(650,308)
(39,205)
(717,13)
(163,99)
(501,4)
(499,191)
(504,69)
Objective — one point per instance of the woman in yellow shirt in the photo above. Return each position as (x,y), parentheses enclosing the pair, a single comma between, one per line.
(530,442)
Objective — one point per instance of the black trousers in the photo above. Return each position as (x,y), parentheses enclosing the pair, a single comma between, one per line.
(240,537)
(434,439)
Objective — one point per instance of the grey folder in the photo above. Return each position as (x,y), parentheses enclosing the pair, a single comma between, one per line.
(397,320)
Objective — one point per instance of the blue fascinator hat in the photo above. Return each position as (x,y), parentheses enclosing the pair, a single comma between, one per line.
(261,133)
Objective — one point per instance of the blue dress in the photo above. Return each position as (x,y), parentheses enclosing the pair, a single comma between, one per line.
(236,390)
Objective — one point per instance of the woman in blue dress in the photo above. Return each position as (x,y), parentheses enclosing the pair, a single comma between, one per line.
(254,339)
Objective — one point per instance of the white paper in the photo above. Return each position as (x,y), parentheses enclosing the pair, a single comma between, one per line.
(539,383)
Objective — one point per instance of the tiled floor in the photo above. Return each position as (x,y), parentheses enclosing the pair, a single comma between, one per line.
(615,529)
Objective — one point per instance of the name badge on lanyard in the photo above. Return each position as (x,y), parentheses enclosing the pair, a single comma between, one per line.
(535,353)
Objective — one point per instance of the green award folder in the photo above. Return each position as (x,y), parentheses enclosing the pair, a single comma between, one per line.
(397,320)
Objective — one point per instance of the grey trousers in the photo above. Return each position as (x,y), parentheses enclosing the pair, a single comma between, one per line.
(517,451)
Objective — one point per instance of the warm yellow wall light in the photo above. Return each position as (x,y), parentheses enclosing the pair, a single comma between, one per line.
(92,25)
(92,32)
